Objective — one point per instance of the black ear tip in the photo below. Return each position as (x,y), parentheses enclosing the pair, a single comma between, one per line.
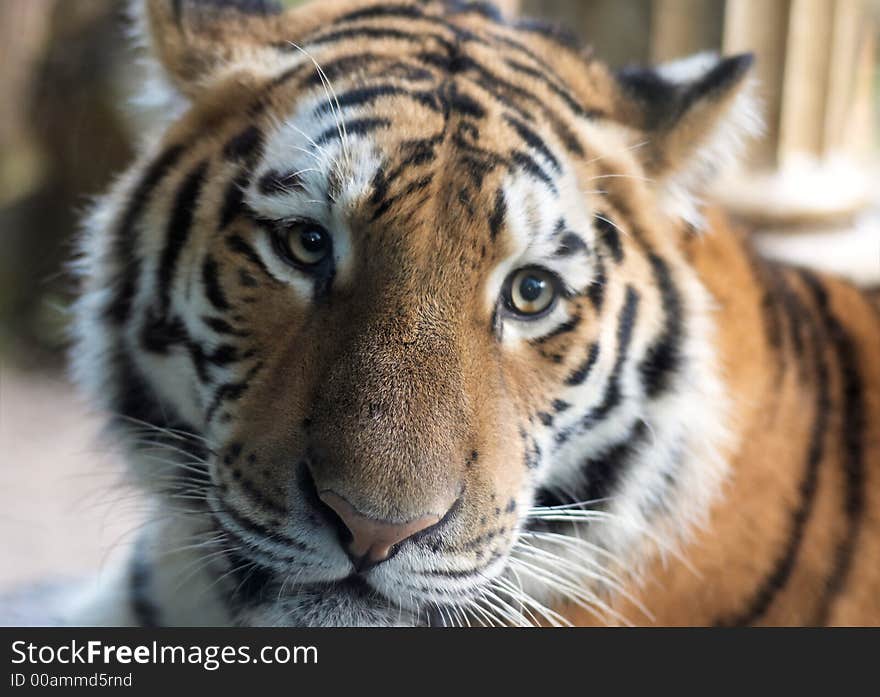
(725,75)
(741,63)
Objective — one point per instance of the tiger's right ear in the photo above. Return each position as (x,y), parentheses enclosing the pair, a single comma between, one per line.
(194,40)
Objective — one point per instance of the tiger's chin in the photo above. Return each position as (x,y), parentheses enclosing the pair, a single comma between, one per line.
(346,603)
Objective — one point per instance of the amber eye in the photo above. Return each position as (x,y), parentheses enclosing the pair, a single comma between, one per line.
(303,244)
(532,292)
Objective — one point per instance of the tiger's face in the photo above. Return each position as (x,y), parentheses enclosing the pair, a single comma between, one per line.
(402,276)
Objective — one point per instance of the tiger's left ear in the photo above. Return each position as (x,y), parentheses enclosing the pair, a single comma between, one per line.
(193,40)
(691,118)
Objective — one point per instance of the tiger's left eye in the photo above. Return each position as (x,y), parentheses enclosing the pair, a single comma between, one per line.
(305,244)
(532,292)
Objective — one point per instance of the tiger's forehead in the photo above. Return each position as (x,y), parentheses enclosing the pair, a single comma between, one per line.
(449,160)
(445,134)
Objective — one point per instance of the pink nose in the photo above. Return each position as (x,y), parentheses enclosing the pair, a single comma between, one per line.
(371,539)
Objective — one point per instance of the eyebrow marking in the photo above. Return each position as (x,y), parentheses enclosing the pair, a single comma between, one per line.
(609,233)
(496,220)
(355,127)
(570,245)
(534,141)
(275,182)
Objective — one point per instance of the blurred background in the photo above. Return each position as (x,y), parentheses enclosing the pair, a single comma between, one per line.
(808,190)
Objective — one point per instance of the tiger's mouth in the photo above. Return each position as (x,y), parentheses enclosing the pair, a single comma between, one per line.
(349,601)
(300,569)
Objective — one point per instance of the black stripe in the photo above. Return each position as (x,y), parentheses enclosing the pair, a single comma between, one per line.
(126,237)
(596,290)
(565,328)
(610,236)
(579,376)
(233,200)
(414,153)
(544,74)
(412,188)
(252,580)
(570,245)
(530,165)
(358,62)
(223,355)
(160,333)
(410,12)
(532,452)
(782,310)
(133,397)
(572,143)
(179,228)
(853,423)
(625,326)
(604,471)
(379,185)
(247,7)
(545,418)
(239,245)
(361,96)
(144,608)
(663,357)
(355,127)
(477,166)
(770,307)
(534,141)
(221,326)
(260,531)
(499,213)
(504,91)
(383,12)
(246,145)
(784,565)
(355,33)
(612,395)
(275,183)
(231,391)
(211,281)
(464,104)
(794,314)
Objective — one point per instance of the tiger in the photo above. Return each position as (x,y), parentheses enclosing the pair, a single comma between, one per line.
(410,313)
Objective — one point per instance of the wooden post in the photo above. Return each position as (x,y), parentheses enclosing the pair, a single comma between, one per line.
(761,26)
(814,70)
(683,27)
(847,78)
(806,81)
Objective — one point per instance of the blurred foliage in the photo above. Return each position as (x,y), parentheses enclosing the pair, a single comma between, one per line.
(61,140)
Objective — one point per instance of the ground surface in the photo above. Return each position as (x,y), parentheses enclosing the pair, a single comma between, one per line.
(63,510)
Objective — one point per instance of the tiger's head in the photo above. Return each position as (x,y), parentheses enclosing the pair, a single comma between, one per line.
(398,296)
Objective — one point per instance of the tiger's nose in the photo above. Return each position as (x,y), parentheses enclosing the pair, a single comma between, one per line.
(372,540)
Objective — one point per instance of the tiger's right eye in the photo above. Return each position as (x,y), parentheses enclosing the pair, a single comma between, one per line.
(303,244)
(531,292)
